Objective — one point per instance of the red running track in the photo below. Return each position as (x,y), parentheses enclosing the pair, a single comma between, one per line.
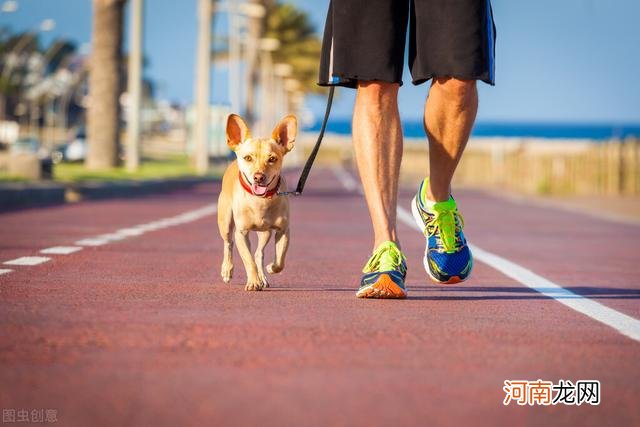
(142,331)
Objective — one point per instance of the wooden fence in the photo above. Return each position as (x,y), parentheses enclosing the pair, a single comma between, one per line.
(531,166)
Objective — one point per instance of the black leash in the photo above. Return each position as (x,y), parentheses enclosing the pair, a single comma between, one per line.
(314,152)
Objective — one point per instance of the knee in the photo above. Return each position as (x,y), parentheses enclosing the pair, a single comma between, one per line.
(377,92)
(455,88)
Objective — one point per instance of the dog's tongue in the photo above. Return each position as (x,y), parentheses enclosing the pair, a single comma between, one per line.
(259,190)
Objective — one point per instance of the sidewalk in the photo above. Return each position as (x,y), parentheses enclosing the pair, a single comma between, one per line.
(20,195)
(622,209)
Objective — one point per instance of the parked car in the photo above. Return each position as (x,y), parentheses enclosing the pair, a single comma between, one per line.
(73,151)
(76,149)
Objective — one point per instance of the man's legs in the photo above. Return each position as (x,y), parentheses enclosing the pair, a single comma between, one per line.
(449,114)
(450,111)
(377,140)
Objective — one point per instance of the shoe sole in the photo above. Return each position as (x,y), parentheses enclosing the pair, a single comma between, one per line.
(418,219)
(383,288)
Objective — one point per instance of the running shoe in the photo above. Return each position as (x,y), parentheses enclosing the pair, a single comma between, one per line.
(384,273)
(447,257)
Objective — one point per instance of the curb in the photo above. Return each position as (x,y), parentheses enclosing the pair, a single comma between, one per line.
(14,196)
(22,195)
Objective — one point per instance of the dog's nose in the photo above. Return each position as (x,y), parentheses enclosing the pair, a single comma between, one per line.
(259,178)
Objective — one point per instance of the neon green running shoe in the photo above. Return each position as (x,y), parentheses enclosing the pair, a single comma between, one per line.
(384,273)
(447,257)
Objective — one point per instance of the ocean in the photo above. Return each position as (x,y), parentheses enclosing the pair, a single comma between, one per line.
(596,132)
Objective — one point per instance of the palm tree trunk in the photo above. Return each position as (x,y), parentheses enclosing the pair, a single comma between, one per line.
(103,124)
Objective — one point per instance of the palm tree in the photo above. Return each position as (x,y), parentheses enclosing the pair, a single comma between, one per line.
(299,45)
(15,50)
(256,30)
(105,86)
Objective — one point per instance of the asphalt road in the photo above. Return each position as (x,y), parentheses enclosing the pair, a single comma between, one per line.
(137,328)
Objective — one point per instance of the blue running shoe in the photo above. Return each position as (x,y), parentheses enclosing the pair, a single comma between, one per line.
(447,257)
(384,274)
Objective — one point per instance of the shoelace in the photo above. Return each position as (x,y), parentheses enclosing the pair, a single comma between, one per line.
(449,223)
(386,258)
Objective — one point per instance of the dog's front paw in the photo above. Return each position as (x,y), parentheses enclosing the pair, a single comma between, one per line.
(254,285)
(226,272)
(274,268)
(263,279)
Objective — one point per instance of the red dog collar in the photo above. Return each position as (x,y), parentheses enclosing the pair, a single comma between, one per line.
(247,188)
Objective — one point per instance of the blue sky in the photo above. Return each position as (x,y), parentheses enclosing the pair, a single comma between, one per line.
(557,61)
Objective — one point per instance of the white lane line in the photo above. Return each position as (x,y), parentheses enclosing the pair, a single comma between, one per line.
(348,182)
(5,271)
(120,234)
(129,232)
(140,229)
(28,260)
(91,242)
(61,250)
(626,325)
(621,322)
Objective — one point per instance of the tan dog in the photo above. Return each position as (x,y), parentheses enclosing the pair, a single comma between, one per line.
(249,200)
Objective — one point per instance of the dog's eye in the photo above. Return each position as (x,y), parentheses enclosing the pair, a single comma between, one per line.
(272,159)
(248,158)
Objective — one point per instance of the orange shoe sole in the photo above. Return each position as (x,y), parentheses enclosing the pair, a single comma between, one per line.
(452,281)
(383,288)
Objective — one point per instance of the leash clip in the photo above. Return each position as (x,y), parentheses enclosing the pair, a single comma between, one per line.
(288,193)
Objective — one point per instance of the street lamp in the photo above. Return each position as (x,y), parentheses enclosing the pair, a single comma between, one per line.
(253,10)
(291,86)
(281,72)
(202,87)
(134,83)
(267,47)
(234,56)
(238,14)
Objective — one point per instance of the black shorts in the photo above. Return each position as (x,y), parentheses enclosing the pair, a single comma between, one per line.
(365,40)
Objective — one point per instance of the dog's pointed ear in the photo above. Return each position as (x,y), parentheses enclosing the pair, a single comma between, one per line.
(285,132)
(237,131)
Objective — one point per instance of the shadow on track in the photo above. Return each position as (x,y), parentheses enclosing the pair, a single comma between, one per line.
(507,293)
(522,293)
